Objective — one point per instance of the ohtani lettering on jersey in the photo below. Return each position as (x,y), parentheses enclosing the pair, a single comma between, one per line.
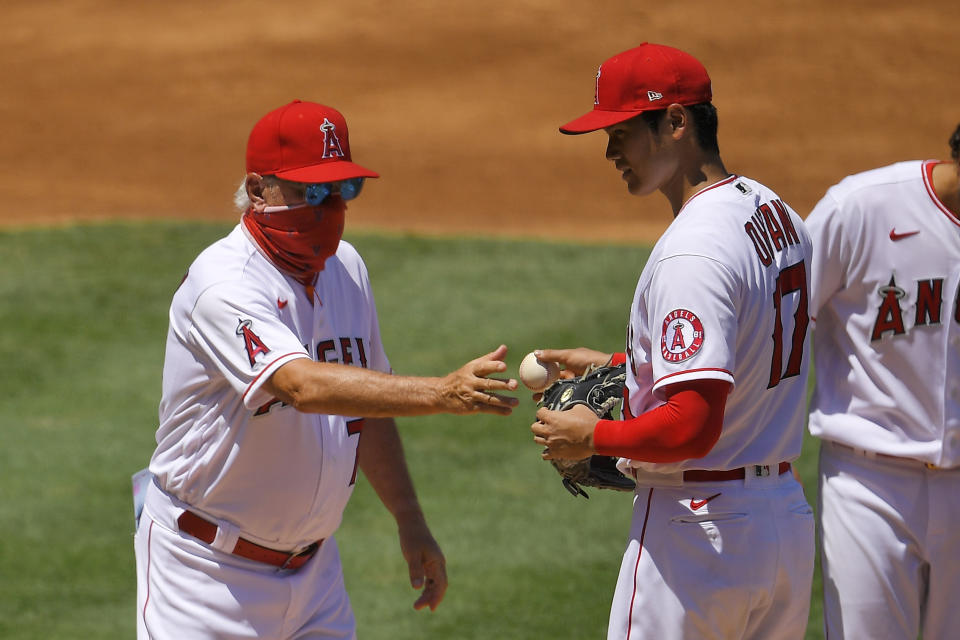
(338,350)
(681,336)
(770,229)
(928,307)
(251,341)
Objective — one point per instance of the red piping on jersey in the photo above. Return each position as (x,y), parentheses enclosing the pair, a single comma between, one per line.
(680,373)
(636,567)
(626,404)
(928,183)
(254,381)
(731,178)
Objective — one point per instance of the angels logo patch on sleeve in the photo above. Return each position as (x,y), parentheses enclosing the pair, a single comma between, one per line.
(251,341)
(682,335)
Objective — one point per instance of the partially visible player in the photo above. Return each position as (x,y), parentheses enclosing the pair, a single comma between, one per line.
(722,539)
(886,298)
(276,391)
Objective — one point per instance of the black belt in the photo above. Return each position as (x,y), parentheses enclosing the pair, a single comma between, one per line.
(696,475)
(704,475)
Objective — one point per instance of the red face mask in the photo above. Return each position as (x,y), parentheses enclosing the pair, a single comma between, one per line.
(299,239)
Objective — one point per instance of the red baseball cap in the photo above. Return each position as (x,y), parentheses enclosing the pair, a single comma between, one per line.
(303,142)
(645,78)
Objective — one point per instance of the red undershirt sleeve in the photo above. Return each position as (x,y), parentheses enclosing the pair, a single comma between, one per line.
(686,426)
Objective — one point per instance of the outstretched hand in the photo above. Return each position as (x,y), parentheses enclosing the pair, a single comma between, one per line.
(469,389)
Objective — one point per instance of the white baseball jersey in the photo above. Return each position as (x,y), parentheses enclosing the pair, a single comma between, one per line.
(724,295)
(885,279)
(885,296)
(226,447)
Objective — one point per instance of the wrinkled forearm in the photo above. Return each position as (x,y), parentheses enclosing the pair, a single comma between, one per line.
(336,389)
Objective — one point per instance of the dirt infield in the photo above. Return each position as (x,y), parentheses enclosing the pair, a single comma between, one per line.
(141,109)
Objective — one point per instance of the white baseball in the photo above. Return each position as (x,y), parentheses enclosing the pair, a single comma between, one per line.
(537,374)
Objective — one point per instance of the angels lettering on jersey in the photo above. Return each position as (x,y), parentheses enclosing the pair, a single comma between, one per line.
(894,309)
(342,350)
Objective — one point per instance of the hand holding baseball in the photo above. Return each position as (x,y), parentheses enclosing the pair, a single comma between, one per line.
(575,362)
(538,374)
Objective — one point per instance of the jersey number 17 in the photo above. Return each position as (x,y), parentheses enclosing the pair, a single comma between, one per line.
(789,280)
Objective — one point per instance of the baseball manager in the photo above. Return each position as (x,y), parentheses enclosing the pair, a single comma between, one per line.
(276,390)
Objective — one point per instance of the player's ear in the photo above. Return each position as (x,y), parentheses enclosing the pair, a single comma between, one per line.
(255,186)
(676,121)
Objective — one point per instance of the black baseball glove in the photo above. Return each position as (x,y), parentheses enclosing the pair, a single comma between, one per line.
(601,389)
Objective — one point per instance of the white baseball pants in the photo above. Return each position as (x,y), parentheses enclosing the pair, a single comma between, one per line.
(187,590)
(890,546)
(716,560)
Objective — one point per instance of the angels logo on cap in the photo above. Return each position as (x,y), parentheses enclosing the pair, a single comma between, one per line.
(682,335)
(303,142)
(650,76)
(331,143)
(596,90)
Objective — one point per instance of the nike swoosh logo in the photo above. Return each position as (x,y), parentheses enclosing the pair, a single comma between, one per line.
(900,236)
(281,303)
(696,504)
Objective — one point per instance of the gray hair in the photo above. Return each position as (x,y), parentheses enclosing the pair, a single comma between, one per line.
(241,201)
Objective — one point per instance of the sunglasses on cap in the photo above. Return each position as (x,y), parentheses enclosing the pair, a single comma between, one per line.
(348,189)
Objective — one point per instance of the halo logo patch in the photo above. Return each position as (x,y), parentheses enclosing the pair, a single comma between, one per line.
(682,335)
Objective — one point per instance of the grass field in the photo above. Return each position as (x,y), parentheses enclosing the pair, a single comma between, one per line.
(84,316)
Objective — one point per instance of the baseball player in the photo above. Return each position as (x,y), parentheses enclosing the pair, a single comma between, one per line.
(885,293)
(722,539)
(276,391)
